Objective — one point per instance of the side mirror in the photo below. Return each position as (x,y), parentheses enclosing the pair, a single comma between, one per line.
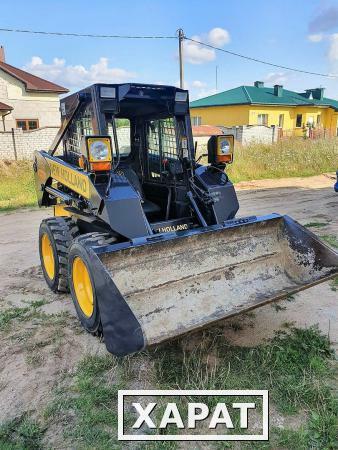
(221,149)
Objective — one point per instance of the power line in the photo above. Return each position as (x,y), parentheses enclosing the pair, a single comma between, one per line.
(116,36)
(259,60)
(110,36)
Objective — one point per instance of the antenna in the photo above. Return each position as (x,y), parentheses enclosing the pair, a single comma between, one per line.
(180,55)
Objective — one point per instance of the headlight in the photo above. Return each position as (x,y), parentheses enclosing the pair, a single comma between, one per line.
(99,148)
(221,149)
(225,147)
(98,151)
(225,150)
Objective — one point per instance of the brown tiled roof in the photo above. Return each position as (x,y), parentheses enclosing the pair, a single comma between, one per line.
(4,107)
(206,130)
(32,82)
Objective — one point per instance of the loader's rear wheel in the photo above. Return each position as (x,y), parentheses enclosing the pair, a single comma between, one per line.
(81,281)
(47,253)
(55,236)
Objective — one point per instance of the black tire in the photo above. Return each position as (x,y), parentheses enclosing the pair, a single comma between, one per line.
(79,249)
(61,232)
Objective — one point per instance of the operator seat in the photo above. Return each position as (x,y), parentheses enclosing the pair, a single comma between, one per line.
(148,206)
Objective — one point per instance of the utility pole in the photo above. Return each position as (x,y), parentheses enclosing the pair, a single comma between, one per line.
(180,55)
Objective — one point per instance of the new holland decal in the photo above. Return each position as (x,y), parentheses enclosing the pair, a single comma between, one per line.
(167,229)
(76,181)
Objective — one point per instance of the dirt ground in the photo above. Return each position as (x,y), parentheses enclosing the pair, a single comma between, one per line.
(52,333)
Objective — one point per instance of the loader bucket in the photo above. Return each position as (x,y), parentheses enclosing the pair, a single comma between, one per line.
(161,287)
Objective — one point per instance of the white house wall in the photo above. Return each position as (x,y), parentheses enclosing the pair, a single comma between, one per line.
(27,105)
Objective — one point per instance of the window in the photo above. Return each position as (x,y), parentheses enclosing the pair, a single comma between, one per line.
(122,134)
(27,124)
(310,121)
(299,120)
(318,119)
(80,126)
(196,121)
(262,119)
(162,138)
(162,144)
(281,121)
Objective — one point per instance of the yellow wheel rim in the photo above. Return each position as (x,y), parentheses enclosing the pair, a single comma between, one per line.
(83,287)
(48,256)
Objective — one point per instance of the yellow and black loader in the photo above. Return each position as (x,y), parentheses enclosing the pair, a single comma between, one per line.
(144,236)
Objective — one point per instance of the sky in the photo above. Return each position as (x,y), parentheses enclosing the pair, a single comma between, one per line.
(301,34)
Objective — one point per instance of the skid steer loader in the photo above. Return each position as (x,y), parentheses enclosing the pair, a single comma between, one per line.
(144,236)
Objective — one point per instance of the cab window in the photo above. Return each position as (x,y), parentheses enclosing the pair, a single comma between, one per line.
(122,134)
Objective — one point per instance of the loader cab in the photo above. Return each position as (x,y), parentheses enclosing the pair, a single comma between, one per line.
(134,144)
(151,141)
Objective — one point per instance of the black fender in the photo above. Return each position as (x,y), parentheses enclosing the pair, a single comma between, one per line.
(121,330)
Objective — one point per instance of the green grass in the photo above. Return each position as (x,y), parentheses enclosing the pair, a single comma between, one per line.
(293,157)
(8,315)
(331,239)
(294,366)
(22,433)
(288,158)
(315,224)
(334,284)
(16,185)
(87,408)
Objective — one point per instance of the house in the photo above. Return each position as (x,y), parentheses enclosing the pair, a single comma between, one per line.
(270,106)
(27,101)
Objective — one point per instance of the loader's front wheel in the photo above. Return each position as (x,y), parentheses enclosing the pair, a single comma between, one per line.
(81,281)
(55,236)
(83,287)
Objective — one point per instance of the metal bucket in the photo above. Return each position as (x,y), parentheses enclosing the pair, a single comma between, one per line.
(150,291)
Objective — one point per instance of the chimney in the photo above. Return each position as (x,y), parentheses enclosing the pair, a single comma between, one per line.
(2,54)
(278,90)
(318,93)
(259,84)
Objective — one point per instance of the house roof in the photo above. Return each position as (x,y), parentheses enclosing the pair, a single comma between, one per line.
(4,107)
(32,83)
(205,130)
(248,95)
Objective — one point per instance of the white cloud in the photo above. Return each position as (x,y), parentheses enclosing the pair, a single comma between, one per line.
(198,84)
(205,92)
(78,75)
(276,78)
(315,37)
(218,37)
(195,53)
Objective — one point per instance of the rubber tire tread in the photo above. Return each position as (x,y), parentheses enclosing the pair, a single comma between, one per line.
(63,230)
